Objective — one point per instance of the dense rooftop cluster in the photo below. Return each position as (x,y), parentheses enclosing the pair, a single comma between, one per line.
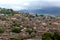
(24,26)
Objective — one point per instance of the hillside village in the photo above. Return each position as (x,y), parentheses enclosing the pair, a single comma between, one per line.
(25,26)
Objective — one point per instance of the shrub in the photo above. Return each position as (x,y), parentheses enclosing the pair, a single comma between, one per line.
(16,30)
(1,30)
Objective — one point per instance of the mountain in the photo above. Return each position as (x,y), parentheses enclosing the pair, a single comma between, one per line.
(45,10)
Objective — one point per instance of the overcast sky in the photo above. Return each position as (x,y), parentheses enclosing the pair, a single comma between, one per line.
(21,4)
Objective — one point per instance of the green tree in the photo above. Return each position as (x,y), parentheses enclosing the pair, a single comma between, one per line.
(16,30)
(42,15)
(29,31)
(15,24)
(1,30)
(16,38)
(36,15)
(46,36)
(56,36)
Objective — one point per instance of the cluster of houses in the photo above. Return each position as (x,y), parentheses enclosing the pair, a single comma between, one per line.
(35,26)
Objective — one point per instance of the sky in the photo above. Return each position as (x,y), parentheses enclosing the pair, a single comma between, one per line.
(25,4)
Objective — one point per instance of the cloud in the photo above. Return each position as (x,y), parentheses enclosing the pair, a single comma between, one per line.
(21,4)
(15,1)
(26,4)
